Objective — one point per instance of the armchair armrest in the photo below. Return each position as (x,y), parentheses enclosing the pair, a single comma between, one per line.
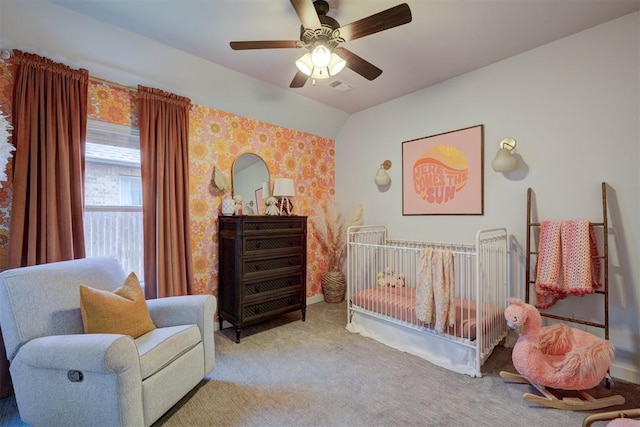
(188,310)
(107,390)
(100,353)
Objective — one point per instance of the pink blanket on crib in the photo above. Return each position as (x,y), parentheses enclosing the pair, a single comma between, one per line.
(400,303)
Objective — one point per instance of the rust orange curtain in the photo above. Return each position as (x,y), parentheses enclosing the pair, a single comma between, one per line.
(50,128)
(164,132)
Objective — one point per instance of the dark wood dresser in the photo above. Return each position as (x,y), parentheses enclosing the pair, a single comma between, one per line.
(262,268)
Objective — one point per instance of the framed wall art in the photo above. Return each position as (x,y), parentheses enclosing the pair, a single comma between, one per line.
(443,174)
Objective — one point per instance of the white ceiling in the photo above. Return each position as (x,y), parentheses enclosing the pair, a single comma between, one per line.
(446,38)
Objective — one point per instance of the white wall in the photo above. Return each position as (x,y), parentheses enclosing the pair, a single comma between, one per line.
(111,53)
(573,106)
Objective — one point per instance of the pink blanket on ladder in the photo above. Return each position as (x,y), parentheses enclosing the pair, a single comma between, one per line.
(567,261)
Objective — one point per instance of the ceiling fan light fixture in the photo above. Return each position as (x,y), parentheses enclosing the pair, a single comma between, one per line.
(320,56)
(337,64)
(304,64)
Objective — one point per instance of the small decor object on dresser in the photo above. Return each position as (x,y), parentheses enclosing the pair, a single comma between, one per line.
(271,206)
(263,268)
(228,205)
(248,208)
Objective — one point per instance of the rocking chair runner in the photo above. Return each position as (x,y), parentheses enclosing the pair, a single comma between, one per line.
(585,401)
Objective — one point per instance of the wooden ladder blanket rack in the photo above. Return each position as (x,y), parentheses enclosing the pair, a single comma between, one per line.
(605,262)
(584,401)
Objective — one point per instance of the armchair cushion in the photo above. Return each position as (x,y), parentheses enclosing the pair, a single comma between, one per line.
(123,311)
(161,346)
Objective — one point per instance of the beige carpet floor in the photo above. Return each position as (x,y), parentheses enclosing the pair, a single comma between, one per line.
(315,373)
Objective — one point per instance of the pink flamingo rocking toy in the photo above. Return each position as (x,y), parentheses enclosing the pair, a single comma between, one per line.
(559,357)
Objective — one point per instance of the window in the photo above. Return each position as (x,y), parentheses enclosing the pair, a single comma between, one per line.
(113,195)
(130,190)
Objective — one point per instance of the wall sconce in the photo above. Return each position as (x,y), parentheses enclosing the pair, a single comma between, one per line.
(283,188)
(382,178)
(504,161)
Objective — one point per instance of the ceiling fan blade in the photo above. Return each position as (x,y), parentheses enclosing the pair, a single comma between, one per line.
(299,80)
(359,65)
(266,44)
(390,18)
(307,13)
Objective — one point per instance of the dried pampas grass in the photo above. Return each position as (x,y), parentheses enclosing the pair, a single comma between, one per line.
(332,230)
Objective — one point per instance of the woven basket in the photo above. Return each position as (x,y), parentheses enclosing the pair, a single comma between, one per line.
(334,286)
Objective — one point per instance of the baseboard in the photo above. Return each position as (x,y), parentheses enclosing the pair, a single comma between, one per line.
(625,374)
(315,299)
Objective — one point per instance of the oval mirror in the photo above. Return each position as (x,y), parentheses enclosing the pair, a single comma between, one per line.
(250,180)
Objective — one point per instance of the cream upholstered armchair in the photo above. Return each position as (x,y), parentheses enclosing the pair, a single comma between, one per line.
(63,376)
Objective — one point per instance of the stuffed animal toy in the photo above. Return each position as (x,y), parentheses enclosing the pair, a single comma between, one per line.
(388,277)
(272,206)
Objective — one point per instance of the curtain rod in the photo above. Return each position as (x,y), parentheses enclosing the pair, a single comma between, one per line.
(6,54)
(110,83)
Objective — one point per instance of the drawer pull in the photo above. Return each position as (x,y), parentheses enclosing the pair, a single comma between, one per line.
(256,289)
(290,242)
(290,263)
(258,245)
(257,267)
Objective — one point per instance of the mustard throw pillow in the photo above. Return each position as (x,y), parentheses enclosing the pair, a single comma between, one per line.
(123,311)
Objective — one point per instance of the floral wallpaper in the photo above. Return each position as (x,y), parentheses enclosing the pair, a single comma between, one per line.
(216,138)
(6,90)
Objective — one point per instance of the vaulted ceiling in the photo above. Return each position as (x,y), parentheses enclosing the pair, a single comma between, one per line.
(446,38)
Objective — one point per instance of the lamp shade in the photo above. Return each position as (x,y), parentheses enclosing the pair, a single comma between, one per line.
(336,65)
(382,178)
(504,161)
(304,64)
(284,187)
(320,56)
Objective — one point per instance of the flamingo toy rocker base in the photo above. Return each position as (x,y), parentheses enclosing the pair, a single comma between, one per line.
(559,357)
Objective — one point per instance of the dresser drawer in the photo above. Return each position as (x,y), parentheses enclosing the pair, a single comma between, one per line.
(269,308)
(272,265)
(264,225)
(260,245)
(260,288)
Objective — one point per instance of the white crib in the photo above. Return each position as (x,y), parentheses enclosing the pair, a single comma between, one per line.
(387,313)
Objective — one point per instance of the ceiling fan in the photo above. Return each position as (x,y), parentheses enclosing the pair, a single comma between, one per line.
(323,37)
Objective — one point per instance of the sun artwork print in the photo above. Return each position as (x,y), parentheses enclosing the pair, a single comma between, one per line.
(439,174)
(442,174)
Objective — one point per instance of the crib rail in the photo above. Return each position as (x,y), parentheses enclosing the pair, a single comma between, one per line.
(381,272)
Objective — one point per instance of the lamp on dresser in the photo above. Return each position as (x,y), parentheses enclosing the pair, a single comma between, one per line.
(283,189)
